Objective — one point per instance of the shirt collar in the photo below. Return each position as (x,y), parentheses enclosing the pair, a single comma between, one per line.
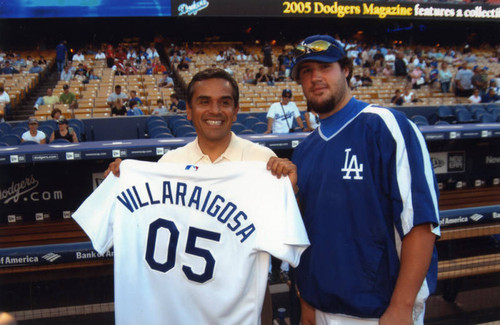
(233,152)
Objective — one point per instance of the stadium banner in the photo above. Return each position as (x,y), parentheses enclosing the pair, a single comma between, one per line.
(50,255)
(336,9)
(84,8)
(38,192)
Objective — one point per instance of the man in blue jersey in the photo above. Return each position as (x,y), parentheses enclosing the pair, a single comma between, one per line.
(369,201)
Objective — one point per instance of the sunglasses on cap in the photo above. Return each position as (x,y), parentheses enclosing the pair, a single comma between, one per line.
(316,46)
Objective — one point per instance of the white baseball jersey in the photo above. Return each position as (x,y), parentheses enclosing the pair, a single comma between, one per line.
(191,243)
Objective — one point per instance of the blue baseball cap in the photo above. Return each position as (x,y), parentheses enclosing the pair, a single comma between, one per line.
(333,53)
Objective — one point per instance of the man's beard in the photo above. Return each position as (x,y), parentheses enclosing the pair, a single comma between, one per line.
(323,107)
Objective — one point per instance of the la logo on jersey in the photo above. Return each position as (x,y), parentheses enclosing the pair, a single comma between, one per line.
(351,166)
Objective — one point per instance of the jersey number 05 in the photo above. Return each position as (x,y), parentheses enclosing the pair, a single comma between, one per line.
(193,235)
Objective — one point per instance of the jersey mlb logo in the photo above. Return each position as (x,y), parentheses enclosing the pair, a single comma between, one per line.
(351,166)
(191,167)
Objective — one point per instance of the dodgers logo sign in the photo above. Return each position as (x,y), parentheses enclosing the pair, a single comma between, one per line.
(192,9)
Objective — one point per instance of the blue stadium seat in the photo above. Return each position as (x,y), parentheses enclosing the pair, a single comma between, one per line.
(419,120)
(441,123)
(247,131)
(260,127)
(50,123)
(445,113)
(491,106)
(3,144)
(77,130)
(154,124)
(250,121)
(237,127)
(46,129)
(157,130)
(162,135)
(179,123)
(77,122)
(11,139)
(60,141)
(155,118)
(487,118)
(477,111)
(464,116)
(19,130)
(5,127)
(28,143)
(182,131)
(174,118)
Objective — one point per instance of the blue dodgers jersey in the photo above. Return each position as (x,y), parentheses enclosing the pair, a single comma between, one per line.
(361,190)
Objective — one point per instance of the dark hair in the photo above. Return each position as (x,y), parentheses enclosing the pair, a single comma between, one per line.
(159,101)
(174,96)
(132,103)
(345,62)
(118,86)
(54,111)
(214,74)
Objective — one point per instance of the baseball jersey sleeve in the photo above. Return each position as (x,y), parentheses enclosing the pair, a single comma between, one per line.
(272,111)
(283,234)
(98,223)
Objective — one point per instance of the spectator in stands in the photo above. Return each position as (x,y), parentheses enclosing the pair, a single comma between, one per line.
(41,60)
(397,99)
(134,110)
(81,76)
(409,96)
(285,60)
(267,61)
(110,56)
(463,81)
(312,120)
(444,77)
(478,81)
(475,98)
(68,98)
(56,114)
(152,53)
(227,68)
(92,75)
(4,101)
(78,56)
(400,66)
(417,77)
(366,80)
(117,94)
(64,132)
(261,76)
(61,55)
(183,65)
(118,108)
(35,68)
(33,134)
(130,69)
(133,96)
(494,85)
(390,59)
(131,54)
(178,105)
(158,67)
(282,74)
(48,99)
(355,82)
(281,115)
(8,69)
(166,81)
(161,109)
(100,55)
(248,76)
(387,71)
(220,57)
(491,96)
(66,74)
